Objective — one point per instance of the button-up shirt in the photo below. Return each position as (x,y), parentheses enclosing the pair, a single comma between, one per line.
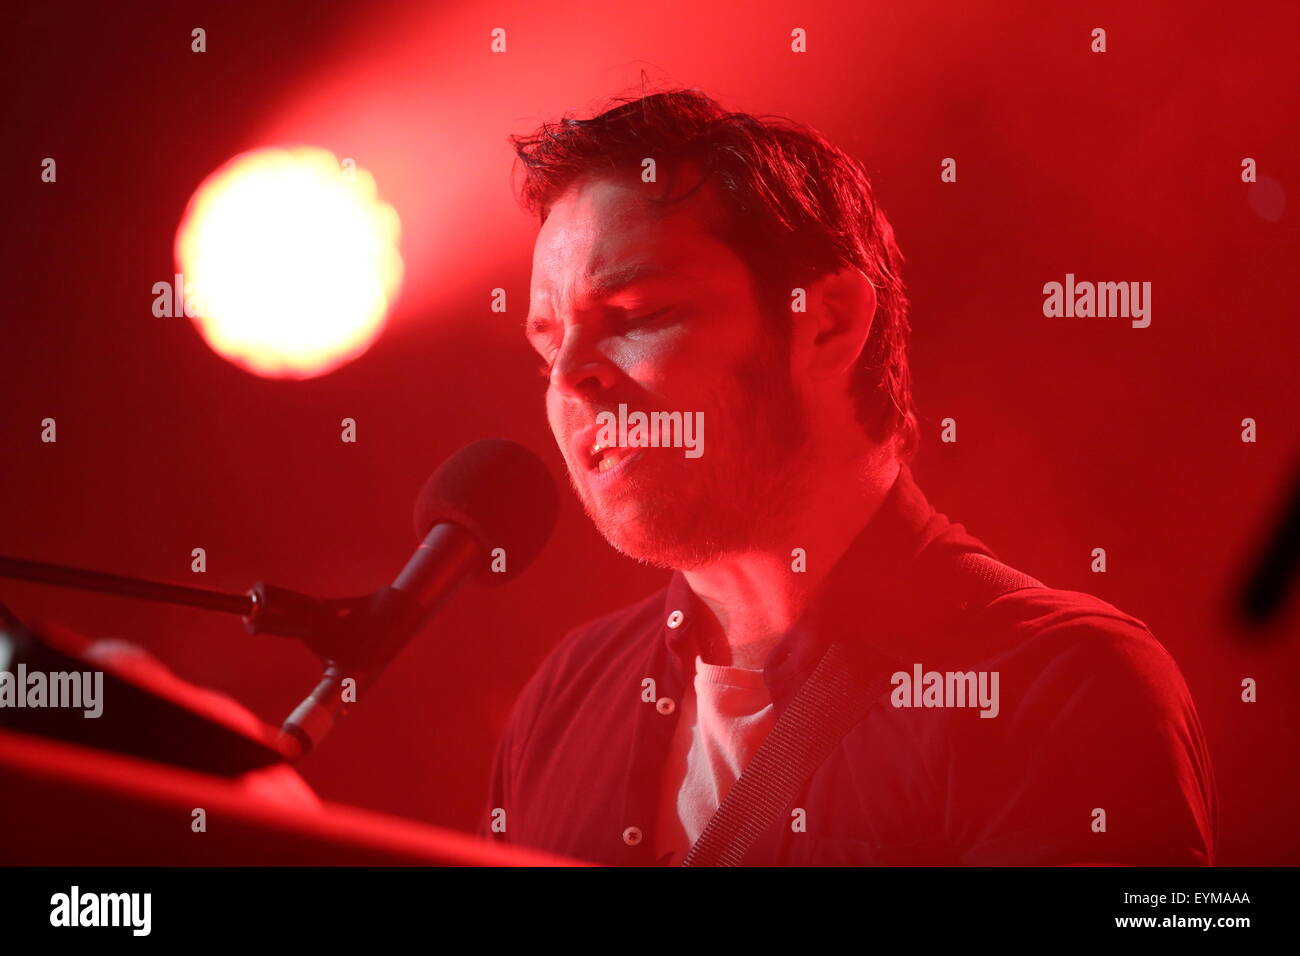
(1095,754)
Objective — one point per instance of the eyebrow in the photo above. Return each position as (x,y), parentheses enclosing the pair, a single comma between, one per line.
(604,285)
(607,283)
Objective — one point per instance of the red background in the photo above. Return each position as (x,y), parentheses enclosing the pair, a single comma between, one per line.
(1073,433)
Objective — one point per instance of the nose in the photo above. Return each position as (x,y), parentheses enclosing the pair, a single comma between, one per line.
(580,369)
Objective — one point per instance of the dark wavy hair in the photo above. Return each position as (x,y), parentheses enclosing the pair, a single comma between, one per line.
(797,208)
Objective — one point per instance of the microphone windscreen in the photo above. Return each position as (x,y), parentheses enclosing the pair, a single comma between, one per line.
(501,493)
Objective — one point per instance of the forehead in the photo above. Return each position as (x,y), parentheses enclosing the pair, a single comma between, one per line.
(603,233)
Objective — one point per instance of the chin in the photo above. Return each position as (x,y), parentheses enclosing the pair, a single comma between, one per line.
(657,553)
(657,543)
(677,530)
(626,528)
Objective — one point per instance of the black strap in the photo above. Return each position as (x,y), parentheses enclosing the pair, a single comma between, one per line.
(830,703)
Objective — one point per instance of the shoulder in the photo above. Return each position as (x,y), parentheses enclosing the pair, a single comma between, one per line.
(1045,608)
(1053,646)
(1097,708)
(1062,649)
(1053,621)
(607,648)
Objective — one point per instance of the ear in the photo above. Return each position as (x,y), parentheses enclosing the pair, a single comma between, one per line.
(829,337)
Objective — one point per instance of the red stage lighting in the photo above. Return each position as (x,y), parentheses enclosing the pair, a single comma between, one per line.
(290,261)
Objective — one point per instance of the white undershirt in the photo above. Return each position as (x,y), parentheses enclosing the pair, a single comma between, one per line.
(721,725)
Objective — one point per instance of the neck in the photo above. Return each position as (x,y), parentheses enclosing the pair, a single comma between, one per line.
(756,596)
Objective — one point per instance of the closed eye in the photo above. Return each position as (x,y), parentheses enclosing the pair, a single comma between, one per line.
(632,322)
(635,322)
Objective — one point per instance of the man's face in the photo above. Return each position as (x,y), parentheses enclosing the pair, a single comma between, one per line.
(635,305)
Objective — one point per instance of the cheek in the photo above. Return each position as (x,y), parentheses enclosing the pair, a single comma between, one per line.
(670,361)
(554,415)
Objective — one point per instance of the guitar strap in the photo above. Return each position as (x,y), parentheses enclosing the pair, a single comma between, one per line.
(833,700)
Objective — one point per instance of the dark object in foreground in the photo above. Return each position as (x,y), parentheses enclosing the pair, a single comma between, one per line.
(1274,571)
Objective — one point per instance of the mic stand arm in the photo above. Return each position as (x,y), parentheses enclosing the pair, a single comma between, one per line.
(354,638)
(328,627)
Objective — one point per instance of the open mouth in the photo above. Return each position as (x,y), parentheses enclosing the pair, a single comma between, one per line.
(599,459)
(603,459)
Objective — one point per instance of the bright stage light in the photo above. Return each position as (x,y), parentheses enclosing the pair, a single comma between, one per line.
(293,259)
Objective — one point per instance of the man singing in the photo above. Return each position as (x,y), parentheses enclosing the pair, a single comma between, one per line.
(739,271)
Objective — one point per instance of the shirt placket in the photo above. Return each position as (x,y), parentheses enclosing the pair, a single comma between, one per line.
(652,734)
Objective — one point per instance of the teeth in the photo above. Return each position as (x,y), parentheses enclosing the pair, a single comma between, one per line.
(605,456)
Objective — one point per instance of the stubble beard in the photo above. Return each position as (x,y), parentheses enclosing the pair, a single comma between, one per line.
(678,513)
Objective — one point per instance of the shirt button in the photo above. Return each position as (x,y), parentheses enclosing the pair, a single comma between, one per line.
(665,705)
(632,836)
(675,619)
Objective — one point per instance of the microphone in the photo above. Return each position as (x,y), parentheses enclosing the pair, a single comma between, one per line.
(485,514)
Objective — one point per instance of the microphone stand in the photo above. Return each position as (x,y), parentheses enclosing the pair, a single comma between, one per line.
(330,628)
(60,576)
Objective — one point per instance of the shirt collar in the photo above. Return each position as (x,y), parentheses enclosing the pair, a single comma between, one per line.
(864,599)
